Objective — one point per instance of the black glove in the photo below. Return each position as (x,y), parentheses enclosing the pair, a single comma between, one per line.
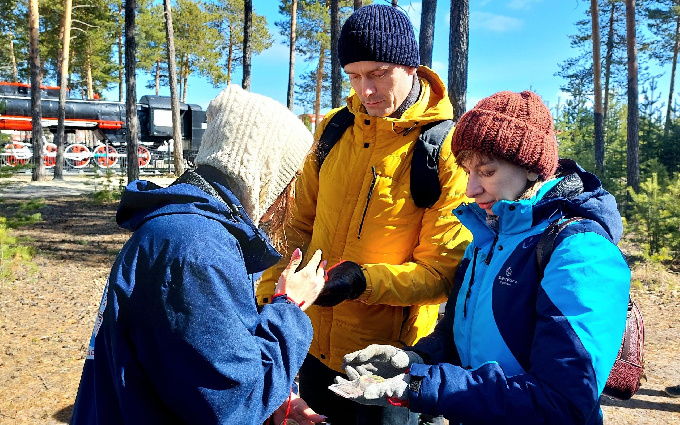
(345,281)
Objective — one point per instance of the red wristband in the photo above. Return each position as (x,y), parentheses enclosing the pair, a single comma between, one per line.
(397,401)
(289,299)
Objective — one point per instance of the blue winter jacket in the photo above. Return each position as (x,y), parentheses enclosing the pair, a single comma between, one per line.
(178,338)
(514,349)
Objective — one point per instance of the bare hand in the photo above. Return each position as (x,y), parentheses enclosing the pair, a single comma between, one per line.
(299,412)
(302,286)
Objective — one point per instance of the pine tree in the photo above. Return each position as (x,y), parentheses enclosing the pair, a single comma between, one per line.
(177,154)
(597,87)
(426,38)
(633,169)
(313,43)
(151,53)
(13,41)
(36,80)
(458,55)
(664,23)
(227,18)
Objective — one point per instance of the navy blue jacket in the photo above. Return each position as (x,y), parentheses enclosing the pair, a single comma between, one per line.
(178,338)
(515,349)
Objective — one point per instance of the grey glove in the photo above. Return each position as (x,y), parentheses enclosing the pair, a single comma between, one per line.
(388,393)
(382,360)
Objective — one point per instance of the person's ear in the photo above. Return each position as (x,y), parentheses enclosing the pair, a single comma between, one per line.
(531,176)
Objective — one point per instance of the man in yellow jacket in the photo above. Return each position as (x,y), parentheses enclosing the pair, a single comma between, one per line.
(394,262)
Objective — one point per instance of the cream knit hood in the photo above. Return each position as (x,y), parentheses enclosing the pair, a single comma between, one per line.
(257,143)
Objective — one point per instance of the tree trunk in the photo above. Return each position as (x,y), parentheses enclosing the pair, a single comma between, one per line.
(633,142)
(427,31)
(36,111)
(230,54)
(15,72)
(336,74)
(60,52)
(669,109)
(131,91)
(174,97)
(358,4)
(185,79)
(291,62)
(88,71)
(458,55)
(59,138)
(319,86)
(608,59)
(247,41)
(121,90)
(597,79)
(158,74)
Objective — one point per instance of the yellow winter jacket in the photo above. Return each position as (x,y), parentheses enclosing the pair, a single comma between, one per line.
(358,207)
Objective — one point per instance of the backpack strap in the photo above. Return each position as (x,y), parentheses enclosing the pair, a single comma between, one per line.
(425,187)
(546,244)
(332,133)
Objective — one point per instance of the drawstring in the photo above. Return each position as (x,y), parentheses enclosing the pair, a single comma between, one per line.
(285,418)
(472,281)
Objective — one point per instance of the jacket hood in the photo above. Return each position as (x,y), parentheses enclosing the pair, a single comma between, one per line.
(143,200)
(574,193)
(592,202)
(432,105)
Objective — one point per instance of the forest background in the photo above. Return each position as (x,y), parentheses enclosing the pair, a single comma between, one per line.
(614,121)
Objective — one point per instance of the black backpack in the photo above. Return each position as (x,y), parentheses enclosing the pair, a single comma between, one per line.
(628,371)
(425,188)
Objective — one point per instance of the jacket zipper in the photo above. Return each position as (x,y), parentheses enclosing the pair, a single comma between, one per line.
(493,247)
(368,199)
(472,281)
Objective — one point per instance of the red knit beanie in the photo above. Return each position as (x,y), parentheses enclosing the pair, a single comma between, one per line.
(516,127)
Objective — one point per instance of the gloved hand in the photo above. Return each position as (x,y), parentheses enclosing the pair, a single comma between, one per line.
(390,392)
(382,360)
(344,281)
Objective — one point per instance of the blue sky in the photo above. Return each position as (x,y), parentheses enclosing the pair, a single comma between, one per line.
(514,45)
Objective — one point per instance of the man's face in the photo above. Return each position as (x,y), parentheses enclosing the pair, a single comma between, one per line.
(382,87)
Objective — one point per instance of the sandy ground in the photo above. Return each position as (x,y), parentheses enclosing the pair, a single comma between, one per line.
(47,311)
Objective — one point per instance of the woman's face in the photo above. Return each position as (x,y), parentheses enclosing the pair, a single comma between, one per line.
(491,180)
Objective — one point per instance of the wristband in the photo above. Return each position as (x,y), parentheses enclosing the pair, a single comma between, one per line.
(288,299)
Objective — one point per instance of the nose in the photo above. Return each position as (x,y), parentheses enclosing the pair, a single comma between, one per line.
(473,188)
(367,87)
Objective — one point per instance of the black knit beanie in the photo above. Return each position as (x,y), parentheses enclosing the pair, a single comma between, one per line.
(378,33)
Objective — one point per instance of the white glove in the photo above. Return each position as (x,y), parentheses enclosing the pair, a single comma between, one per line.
(388,393)
(382,360)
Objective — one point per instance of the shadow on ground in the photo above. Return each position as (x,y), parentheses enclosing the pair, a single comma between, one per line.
(64,415)
(638,402)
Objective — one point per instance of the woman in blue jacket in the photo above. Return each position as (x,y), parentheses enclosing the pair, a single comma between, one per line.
(514,348)
(178,337)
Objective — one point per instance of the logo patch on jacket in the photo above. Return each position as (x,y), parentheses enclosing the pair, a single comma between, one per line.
(506,278)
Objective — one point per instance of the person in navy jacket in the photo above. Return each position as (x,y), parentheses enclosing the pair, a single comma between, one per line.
(513,348)
(178,337)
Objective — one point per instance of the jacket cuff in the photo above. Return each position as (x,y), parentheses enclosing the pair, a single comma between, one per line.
(417,395)
(369,286)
